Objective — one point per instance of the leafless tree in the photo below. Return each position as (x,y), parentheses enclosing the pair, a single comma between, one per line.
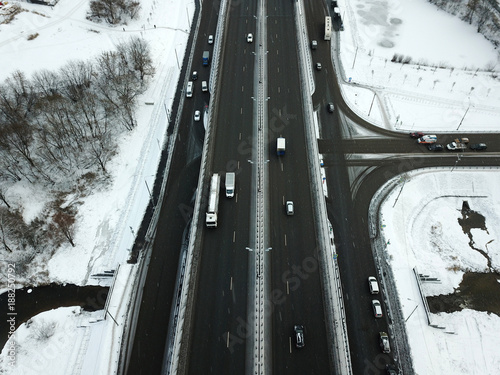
(113,11)
(64,220)
(137,53)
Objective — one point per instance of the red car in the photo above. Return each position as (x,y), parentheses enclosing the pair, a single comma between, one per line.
(416,135)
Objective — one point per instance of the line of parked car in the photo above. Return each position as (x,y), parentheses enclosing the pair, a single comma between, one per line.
(384,342)
(458,144)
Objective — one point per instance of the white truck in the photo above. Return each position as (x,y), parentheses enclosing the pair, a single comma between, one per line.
(280,146)
(328,28)
(230,182)
(454,146)
(213,202)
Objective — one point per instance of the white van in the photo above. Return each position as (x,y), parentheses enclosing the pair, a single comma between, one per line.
(189,90)
(427,139)
(204,86)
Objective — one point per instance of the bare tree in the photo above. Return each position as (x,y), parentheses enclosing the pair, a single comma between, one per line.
(137,53)
(113,11)
(2,197)
(63,221)
(43,330)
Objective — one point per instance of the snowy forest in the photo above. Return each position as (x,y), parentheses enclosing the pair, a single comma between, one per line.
(58,131)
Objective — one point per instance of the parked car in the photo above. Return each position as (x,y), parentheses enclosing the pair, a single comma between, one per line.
(435,147)
(478,146)
(377,308)
(416,135)
(454,146)
(289,208)
(210,39)
(330,107)
(384,342)
(318,66)
(391,370)
(194,76)
(462,140)
(373,285)
(299,335)
(197,115)
(427,139)
(250,38)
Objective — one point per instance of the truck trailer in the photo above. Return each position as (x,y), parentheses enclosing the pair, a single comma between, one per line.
(280,146)
(213,202)
(230,182)
(328,28)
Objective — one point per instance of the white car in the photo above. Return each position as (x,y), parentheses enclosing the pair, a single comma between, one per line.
(210,39)
(250,38)
(377,308)
(289,208)
(373,285)
(384,342)
(197,115)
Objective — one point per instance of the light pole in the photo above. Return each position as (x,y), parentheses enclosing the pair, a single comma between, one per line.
(458,159)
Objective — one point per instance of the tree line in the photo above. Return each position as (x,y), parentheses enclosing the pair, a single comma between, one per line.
(58,131)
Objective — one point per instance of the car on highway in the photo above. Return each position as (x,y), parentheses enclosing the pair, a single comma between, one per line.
(194,76)
(314,44)
(204,86)
(318,66)
(299,335)
(416,135)
(384,342)
(250,38)
(377,308)
(391,370)
(210,39)
(330,107)
(189,89)
(478,146)
(197,115)
(454,146)
(289,208)
(435,147)
(373,285)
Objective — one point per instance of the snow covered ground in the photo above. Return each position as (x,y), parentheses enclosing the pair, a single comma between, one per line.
(107,220)
(413,96)
(422,230)
(453,69)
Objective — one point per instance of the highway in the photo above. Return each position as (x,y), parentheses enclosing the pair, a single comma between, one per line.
(219,327)
(219,335)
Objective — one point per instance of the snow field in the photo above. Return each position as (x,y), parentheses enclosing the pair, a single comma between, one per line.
(422,231)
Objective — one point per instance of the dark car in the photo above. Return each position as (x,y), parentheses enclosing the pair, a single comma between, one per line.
(391,370)
(299,335)
(194,77)
(416,135)
(330,107)
(435,147)
(478,146)
(318,66)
